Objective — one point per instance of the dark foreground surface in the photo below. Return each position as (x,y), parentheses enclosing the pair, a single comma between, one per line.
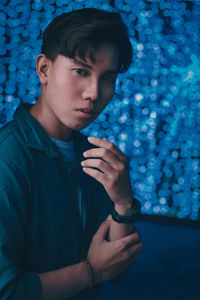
(168,268)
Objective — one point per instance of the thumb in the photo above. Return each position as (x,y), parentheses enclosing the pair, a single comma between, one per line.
(103,229)
(109,217)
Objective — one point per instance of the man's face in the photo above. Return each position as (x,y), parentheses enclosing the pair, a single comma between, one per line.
(77,91)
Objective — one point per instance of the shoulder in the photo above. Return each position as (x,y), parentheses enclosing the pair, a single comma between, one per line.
(7,130)
(12,142)
(13,154)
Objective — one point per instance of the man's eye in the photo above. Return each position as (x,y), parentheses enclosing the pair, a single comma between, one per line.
(81,72)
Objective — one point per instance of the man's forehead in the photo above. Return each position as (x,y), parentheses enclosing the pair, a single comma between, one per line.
(107,56)
(98,63)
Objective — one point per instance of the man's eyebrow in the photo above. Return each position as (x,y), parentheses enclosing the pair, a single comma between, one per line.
(85,65)
(81,63)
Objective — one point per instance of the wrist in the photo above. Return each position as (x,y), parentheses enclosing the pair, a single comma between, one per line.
(124,209)
(90,272)
(123,216)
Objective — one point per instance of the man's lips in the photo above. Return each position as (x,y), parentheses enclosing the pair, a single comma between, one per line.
(87,110)
(84,112)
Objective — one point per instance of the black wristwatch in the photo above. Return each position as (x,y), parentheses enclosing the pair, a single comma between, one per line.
(131,217)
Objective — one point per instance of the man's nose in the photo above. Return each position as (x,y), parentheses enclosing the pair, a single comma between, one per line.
(91,91)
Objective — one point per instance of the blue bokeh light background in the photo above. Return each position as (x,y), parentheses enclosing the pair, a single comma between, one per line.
(154,116)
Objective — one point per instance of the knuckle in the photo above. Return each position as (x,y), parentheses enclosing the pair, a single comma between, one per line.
(112,179)
(97,174)
(116,176)
(104,151)
(123,245)
(125,255)
(121,167)
(111,146)
(100,163)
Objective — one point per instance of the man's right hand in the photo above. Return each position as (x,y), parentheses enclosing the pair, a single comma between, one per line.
(109,259)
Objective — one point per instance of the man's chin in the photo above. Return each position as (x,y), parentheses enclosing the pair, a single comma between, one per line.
(83,125)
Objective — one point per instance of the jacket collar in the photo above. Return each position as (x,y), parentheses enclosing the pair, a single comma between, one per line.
(36,137)
(34,134)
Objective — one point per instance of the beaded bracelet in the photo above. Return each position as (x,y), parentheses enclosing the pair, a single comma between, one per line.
(90,271)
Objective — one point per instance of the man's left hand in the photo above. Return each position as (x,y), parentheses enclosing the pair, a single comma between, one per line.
(107,164)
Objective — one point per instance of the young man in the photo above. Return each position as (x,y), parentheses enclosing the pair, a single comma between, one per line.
(57,186)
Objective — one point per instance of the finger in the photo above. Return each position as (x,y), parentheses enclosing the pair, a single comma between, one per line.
(109,217)
(106,155)
(98,175)
(131,255)
(135,250)
(103,229)
(130,240)
(135,230)
(103,143)
(130,260)
(98,164)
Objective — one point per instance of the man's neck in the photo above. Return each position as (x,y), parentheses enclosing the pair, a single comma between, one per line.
(52,128)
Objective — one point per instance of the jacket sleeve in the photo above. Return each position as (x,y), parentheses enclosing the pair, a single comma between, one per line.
(15,282)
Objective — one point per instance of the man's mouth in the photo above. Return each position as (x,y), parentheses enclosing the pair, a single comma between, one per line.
(87,110)
(84,112)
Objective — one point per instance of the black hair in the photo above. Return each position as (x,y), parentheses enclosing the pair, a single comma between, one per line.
(81,32)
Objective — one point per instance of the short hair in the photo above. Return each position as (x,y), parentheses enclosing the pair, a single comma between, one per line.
(81,32)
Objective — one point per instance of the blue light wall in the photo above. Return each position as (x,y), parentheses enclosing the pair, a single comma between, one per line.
(154,116)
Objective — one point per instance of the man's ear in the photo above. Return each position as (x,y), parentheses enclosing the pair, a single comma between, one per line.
(42,67)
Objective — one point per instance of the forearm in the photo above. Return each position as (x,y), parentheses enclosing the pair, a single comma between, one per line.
(119,230)
(64,283)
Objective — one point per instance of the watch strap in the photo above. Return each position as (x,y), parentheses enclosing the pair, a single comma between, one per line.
(129,218)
